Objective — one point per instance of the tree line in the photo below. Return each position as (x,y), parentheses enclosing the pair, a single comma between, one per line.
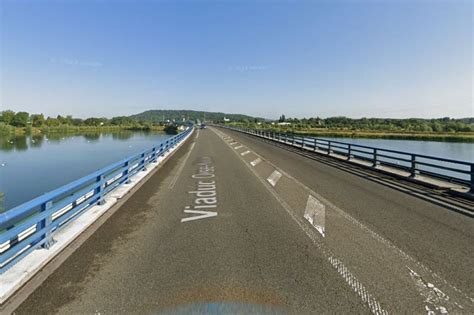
(24,119)
(161,115)
(444,124)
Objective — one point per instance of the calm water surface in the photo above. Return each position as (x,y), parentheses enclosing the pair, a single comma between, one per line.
(31,166)
(450,150)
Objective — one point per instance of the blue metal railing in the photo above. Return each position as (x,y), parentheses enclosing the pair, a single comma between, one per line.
(33,224)
(454,171)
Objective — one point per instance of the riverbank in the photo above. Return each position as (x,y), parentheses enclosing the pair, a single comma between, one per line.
(467,137)
(421,136)
(66,129)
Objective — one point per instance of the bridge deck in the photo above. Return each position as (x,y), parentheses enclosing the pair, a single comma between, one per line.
(234,219)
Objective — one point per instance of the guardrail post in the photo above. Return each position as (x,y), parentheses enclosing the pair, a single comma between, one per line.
(154,155)
(374,160)
(45,224)
(413,166)
(161,149)
(329,147)
(302,142)
(127,172)
(142,161)
(349,149)
(293,139)
(100,189)
(315,144)
(472,179)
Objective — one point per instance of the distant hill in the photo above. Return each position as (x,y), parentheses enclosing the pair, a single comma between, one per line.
(158,115)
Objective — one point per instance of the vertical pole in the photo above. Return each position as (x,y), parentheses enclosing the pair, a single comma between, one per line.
(100,189)
(153,155)
(329,147)
(413,166)
(143,162)
(315,144)
(374,160)
(349,149)
(127,171)
(472,179)
(46,224)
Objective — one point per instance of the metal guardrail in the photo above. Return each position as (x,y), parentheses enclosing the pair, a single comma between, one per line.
(453,171)
(33,224)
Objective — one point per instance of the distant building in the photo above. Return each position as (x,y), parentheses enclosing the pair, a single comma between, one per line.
(226,119)
(285,123)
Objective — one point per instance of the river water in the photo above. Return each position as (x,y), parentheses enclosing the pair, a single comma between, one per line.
(450,150)
(31,166)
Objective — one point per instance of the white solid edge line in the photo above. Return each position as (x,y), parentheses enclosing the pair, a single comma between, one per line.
(378,237)
(358,288)
(20,273)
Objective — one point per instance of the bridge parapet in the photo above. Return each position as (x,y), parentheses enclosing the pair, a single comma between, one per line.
(33,224)
(431,170)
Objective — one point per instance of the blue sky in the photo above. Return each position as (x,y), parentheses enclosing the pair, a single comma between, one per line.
(263,58)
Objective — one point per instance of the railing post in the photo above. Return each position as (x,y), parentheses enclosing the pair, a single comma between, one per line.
(142,161)
(413,166)
(161,149)
(100,189)
(374,160)
(349,149)
(127,172)
(315,144)
(472,179)
(154,155)
(302,142)
(293,139)
(45,224)
(329,147)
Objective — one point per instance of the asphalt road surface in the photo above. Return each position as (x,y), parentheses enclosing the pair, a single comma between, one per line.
(232,224)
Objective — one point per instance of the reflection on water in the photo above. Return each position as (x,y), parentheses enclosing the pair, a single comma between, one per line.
(450,150)
(24,142)
(33,165)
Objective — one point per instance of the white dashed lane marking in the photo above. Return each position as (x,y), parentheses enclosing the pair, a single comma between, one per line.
(273,179)
(256,161)
(315,213)
(245,153)
(239,147)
